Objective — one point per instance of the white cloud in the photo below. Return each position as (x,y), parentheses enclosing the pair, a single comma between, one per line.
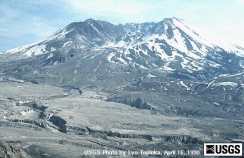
(241,1)
(41,28)
(112,9)
(107,6)
(224,33)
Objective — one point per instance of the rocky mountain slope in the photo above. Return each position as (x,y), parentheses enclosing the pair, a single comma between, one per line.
(167,46)
(141,61)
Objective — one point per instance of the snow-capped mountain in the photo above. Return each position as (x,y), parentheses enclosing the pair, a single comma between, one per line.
(166,46)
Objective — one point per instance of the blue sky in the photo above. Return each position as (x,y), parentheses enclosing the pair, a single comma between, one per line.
(27,21)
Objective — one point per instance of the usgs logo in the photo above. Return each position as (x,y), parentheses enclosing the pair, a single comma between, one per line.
(222,149)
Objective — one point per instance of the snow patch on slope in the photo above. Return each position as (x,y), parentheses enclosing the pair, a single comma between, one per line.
(232,84)
(36,50)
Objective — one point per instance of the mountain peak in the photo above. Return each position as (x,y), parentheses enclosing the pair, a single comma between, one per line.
(86,23)
(172,19)
(90,20)
(95,21)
